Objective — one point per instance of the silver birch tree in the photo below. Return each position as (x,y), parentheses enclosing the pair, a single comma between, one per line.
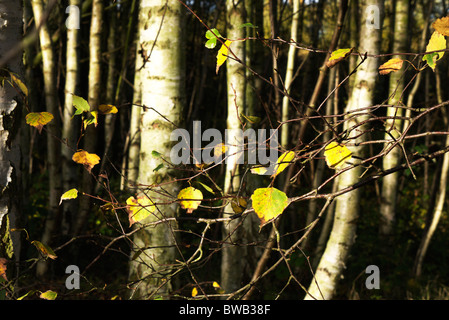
(342,237)
(162,78)
(10,104)
(393,125)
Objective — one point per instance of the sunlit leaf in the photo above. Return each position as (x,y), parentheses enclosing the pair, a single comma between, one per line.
(71,194)
(107,109)
(268,203)
(336,155)
(337,56)
(215,285)
(48,295)
(26,294)
(80,104)
(442,26)
(190,198)
(44,249)
(212,36)
(194,292)
(437,42)
(139,209)
(38,119)
(89,160)
(259,170)
(391,65)
(93,119)
(283,162)
(222,54)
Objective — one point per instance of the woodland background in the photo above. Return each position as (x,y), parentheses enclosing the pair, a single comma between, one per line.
(148,59)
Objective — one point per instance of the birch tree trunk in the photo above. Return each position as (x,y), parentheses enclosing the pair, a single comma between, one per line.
(342,237)
(289,73)
(94,94)
(232,261)
(393,126)
(10,115)
(53,145)
(163,80)
(69,125)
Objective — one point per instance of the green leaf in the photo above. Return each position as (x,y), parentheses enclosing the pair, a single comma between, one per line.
(155,154)
(71,194)
(213,34)
(211,43)
(159,167)
(80,104)
(268,203)
(247,25)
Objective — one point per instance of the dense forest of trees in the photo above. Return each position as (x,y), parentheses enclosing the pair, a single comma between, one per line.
(224,149)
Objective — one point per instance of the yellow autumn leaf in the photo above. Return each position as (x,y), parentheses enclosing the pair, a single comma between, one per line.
(442,26)
(437,42)
(71,194)
(194,292)
(215,285)
(220,149)
(107,109)
(38,119)
(93,119)
(337,56)
(190,198)
(391,65)
(139,209)
(283,162)
(259,170)
(222,54)
(336,155)
(48,295)
(268,203)
(89,160)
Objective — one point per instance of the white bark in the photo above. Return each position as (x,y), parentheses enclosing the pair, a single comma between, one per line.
(289,73)
(232,255)
(69,131)
(333,261)
(394,126)
(162,80)
(53,145)
(10,37)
